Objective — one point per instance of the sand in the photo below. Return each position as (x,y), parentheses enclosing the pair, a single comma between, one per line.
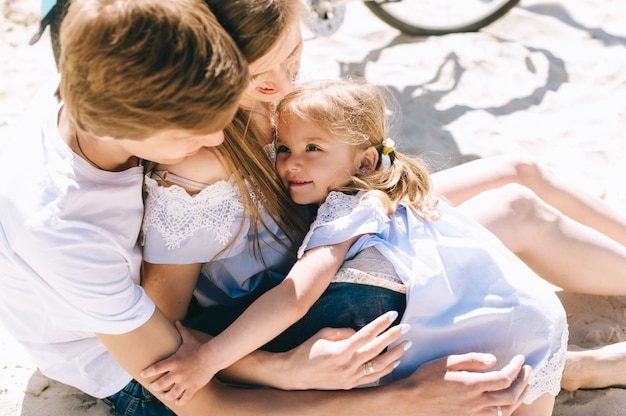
(548,79)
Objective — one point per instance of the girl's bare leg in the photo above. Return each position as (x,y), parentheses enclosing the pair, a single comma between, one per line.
(461,183)
(595,368)
(544,405)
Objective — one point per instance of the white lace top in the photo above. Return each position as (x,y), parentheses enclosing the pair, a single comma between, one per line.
(465,291)
(181,229)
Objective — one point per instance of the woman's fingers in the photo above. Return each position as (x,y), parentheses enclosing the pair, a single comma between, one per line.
(382,341)
(367,336)
(367,344)
(387,361)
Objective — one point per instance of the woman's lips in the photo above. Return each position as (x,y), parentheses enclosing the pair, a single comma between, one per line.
(267,91)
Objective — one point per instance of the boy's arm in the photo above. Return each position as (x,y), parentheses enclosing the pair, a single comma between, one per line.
(195,364)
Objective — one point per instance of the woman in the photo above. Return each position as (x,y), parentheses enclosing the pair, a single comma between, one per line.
(273,67)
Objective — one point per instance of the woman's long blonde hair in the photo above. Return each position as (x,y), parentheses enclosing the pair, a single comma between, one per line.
(256,26)
(354,112)
(255,172)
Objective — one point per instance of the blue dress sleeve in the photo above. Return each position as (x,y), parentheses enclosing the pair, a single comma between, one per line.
(341,217)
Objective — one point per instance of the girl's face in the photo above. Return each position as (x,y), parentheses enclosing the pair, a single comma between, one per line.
(273,74)
(310,162)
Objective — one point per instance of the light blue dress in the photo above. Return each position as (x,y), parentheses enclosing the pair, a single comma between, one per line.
(465,291)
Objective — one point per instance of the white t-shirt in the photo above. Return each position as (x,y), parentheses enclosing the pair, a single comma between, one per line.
(69,259)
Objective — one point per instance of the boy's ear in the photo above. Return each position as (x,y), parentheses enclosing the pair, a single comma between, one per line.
(369,160)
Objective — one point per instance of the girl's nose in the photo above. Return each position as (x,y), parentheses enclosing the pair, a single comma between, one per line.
(292,163)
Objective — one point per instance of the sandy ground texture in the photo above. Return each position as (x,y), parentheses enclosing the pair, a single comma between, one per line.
(548,80)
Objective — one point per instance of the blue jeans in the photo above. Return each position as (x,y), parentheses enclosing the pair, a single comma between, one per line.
(135,400)
(343,305)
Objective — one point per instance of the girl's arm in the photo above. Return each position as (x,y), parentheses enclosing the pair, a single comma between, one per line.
(331,359)
(194,365)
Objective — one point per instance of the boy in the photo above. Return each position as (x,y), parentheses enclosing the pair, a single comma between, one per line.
(142,79)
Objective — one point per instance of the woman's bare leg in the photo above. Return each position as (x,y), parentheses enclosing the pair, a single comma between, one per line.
(561,232)
(461,183)
(567,253)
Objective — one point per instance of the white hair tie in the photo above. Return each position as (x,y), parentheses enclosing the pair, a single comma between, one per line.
(388,148)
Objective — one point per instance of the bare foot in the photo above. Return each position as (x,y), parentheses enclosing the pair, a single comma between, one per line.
(595,368)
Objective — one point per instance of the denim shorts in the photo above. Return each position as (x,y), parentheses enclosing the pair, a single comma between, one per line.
(343,305)
(135,400)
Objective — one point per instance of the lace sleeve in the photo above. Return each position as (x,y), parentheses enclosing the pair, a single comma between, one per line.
(179,227)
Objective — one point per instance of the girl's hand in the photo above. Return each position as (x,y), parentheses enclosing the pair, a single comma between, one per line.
(183,373)
(339,358)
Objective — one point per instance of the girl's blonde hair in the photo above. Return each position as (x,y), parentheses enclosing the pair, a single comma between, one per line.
(354,112)
(244,154)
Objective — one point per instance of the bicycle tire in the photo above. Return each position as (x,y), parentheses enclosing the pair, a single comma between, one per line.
(419,17)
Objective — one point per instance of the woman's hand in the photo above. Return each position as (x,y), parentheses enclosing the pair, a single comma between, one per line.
(340,358)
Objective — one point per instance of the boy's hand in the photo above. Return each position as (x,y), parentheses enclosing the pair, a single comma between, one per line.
(183,373)
(463,384)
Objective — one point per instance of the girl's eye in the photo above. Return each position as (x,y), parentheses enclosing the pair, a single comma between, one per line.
(282,149)
(312,148)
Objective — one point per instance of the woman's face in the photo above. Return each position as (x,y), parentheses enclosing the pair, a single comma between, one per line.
(273,74)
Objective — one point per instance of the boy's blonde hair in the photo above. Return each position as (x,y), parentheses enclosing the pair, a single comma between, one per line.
(132,68)
(354,112)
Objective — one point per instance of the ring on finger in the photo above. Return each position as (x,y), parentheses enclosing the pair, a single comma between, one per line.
(368,368)
(499,409)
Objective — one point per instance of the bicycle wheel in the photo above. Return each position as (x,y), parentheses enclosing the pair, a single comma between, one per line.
(439,17)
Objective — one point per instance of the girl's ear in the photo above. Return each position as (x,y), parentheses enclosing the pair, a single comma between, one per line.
(369,160)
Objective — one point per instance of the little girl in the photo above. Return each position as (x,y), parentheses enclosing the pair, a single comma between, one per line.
(464,290)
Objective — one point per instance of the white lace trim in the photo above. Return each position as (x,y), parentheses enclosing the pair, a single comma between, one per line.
(336,206)
(547,378)
(176,215)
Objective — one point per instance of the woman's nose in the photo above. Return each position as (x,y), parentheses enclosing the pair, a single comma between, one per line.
(284,79)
